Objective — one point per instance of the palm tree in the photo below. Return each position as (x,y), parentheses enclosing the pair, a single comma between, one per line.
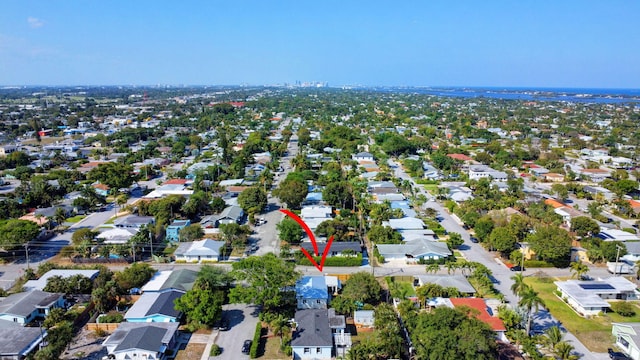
(530,300)
(279,325)
(433,268)
(553,336)
(518,286)
(578,269)
(60,216)
(451,267)
(563,350)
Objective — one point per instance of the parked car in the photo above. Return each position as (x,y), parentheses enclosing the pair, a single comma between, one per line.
(246,346)
(616,355)
(474,240)
(517,268)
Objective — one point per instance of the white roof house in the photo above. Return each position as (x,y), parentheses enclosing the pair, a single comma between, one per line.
(617,235)
(118,235)
(413,250)
(316,211)
(407,223)
(199,250)
(41,283)
(588,297)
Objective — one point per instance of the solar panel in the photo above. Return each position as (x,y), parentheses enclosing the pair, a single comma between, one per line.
(597,287)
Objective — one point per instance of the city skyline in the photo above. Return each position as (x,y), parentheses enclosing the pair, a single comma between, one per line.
(495,44)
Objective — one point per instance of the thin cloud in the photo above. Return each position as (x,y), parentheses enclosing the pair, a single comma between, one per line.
(34,23)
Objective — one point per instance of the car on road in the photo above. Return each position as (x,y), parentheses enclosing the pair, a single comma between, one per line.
(246,346)
(517,268)
(616,355)
(474,240)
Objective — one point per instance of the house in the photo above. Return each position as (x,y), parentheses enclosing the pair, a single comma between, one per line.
(594,175)
(477,172)
(484,314)
(7,149)
(459,282)
(133,221)
(617,235)
(414,250)
(180,280)
(596,191)
(101,189)
(41,283)
(314,215)
(196,251)
(406,223)
(313,198)
(155,307)
(430,172)
(553,177)
(173,231)
(460,157)
(338,248)
(380,198)
(230,215)
(363,156)
(24,307)
(409,235)
(363,318)
(312,338)
(17,342)
(314,292)
(627,337)
(588,297)
(142,341)
(117,235)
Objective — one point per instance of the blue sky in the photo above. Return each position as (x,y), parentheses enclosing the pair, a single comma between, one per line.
(541,43)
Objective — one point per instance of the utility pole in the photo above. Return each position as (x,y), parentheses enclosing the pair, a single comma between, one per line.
(26,251)
(615,272)
(133,248)
(151,240)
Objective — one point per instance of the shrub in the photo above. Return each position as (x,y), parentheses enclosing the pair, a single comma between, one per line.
(537,264)
(629,230)
(253,352)
(215,350)
(623,308)
(111,318)
(334,261)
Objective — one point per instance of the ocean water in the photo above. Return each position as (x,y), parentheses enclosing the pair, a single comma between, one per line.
(602,96)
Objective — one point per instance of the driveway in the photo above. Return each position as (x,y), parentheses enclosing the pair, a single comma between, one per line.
(242,325)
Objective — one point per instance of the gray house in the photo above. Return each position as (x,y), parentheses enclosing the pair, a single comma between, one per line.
(231,214)
(312,338)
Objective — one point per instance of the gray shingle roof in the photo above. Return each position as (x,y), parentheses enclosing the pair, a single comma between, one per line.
(24,303)
(151,304)
(182,279)
(18,340)
(312,328)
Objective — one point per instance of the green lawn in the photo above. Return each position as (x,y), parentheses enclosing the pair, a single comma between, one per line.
(75,219)
(594,333)
(400,288)
(431,188)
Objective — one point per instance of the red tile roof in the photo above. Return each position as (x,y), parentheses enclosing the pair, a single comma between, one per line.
(484,316)
(634,203)
(101,186)
(175,182)
(461,157)
(554,203)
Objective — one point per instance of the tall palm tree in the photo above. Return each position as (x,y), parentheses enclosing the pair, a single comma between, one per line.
(553,336)
(60,216)
(531,301)
(518,286)
(433,268)
(578,269)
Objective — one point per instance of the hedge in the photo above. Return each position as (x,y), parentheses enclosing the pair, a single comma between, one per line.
(537,264)
(333,261)
(255,345)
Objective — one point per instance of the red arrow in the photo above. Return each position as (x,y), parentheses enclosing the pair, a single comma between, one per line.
(309,233)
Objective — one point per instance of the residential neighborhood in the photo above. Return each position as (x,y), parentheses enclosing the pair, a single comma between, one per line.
(146,223)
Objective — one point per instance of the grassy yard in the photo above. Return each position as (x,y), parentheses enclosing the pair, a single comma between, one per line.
(400,288)
(192,351)
(594,333)
(431,188)
(75,219)
(272,349)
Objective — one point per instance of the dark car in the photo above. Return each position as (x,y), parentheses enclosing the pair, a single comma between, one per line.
(517,268)
(224,325)
(616,355)
(246,346)
(474,240)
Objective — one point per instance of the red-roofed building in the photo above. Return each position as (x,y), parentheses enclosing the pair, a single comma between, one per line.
(554,203)
(176,182)
(101,189)
(635,206)
(483,314)
(461,157)
(237,104)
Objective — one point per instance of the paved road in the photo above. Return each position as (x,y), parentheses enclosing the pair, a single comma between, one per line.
(502,275)
(242,326)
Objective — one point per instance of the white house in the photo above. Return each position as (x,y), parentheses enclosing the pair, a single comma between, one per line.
(363,156)
(41,283)
(197,251)
(483,171)
(412,251)
(588,297)
(24,307)
(363,318)
(627,337)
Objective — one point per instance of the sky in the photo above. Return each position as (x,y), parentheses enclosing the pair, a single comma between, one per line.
(510,43)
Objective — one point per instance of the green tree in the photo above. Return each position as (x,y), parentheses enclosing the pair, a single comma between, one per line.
(384,235)
(134,276)
(267,278)
(454,241)
(448,333)
(484,227)
(113,174)
(338,194)
(191,232)
(83,234)
(530,300)
(253,200)
(584,226)
(578,269)
(14,233)
(560,191)
(502,239)
(235,235)
(551,244)
(292,191)
(201,305)
(362,287)
(289,230)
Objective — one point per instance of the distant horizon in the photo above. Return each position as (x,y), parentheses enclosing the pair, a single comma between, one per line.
(330,86)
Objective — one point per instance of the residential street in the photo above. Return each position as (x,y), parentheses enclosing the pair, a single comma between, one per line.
(242,325)
(502,275)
